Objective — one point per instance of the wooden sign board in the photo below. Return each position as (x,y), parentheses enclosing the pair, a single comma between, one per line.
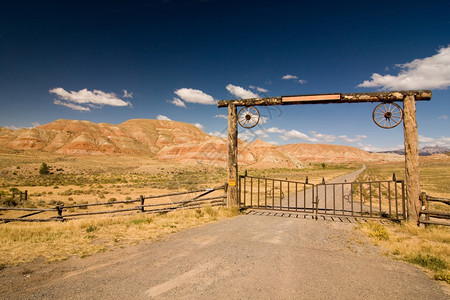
(311,98)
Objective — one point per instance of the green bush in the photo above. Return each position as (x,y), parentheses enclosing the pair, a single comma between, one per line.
(44,169)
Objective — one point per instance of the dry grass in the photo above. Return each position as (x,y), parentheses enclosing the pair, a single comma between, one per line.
(25,242)
(428,248)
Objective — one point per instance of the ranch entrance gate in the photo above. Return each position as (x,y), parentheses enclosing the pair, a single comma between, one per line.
(387,115)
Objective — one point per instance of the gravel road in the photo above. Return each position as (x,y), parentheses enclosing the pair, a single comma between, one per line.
(261,255)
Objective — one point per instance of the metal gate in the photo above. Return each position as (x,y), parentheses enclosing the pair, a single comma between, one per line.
(373,199)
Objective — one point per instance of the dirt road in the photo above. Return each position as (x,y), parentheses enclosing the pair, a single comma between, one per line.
(254,256)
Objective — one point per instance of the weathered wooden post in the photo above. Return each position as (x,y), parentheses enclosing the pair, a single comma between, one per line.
(142,203)
(424,203)
(232,192)
(411,158)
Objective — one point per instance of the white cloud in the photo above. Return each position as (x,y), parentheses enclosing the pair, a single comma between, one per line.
(127,94)
(358,138)
(297,135)
(163,118)
(263,120)
(36,124)
(248,136)
(426,140)
(275,130)
(428,73)
(240,92)
(328,138)
(71,105)
(195,96)
(84,97)
(218,134)
(261,134)
(444,117)
(302,81)
(221,117)
(177,102)
(12,127)
(199,126)
(372,148)
(288,76)
(259,89)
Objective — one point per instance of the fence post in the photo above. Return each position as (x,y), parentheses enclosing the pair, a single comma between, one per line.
(26,195)
(423,216)
(60,208)
(142,204)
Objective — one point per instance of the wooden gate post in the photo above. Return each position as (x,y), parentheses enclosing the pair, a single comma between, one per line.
(232,192)
(411,158)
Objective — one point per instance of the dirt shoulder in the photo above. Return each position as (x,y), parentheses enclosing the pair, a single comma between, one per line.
(255,256)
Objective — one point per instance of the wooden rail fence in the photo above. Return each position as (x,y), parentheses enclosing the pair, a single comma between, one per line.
(67,212)
(426,213)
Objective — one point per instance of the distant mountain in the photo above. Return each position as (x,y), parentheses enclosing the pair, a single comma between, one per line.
(171,141)
(425,151)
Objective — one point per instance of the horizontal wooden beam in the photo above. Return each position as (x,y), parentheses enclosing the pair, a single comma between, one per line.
(420,95)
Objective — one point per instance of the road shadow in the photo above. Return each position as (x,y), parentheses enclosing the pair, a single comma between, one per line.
(311,216)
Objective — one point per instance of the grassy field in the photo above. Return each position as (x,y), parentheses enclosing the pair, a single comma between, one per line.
(428,248)
(26,242)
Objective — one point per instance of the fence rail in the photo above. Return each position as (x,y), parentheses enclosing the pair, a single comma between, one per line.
(425,213)
(66,212)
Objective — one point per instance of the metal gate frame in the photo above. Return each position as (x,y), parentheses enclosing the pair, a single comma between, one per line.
(371,199)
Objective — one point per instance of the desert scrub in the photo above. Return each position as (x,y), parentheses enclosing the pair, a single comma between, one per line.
(376,231)
(24,242)
(426,247)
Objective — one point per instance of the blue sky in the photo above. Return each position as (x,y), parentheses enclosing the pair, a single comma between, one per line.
(110,61)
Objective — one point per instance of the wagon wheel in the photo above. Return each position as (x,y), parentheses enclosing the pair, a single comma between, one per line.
(387,115)
(248,117)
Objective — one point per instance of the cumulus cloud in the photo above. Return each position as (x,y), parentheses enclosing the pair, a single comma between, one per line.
(444,117)
(218,134)
(276,130)
(328,138)
(199,126)
(79,100)
(428,73)
(36,124)
(162,118)
(240,92)
(248,136)
(127,94)
(297,135)
(195,96)
(263,120)
(221,117)
(71,105)
(429,141)
(358,138)
(261,134)
(294,77)
(259,89)
(288,76)
(372,148)
(177,102)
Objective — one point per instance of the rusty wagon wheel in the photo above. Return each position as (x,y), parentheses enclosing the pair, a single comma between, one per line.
(387,115)
(248,117)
